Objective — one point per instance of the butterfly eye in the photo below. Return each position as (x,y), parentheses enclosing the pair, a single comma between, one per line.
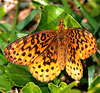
(63,25)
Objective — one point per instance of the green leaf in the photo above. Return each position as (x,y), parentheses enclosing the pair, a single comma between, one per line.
(95,82)
(56,89)
(68,10)
(92,8)
(87,26)
(2,69)
(19,74)
(62,88)
(91,72)
(65,3)
(95,89)
(42,2)
(6,27)
(2,11)
(31,88)
(69,87)
(74,91)
(72,84)
(97,29)
(3,59)
(19,35)
(50,18)
(3,38)
(5,84)
(56,81)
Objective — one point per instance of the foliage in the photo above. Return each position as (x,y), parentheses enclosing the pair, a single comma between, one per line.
(15,75)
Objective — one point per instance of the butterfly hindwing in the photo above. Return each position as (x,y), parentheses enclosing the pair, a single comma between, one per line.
(74,66)
(46,66)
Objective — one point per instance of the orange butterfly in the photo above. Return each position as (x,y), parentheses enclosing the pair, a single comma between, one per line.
(50,51)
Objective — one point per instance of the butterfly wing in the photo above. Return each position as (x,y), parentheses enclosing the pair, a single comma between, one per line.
(28,48)
(46,66)
(80,45)
(83,42)
(73,64)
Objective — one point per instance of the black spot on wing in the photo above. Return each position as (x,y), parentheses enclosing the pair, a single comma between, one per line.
(30,55)
(23,54)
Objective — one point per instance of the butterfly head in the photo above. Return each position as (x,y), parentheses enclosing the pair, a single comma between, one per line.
(61,25)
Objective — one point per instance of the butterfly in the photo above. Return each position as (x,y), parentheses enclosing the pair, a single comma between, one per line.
(49,52)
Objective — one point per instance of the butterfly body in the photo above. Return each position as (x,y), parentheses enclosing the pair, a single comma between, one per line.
(61,42)
(50,51)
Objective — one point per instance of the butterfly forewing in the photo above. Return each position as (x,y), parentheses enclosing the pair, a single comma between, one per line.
(26,49)
(83,42)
